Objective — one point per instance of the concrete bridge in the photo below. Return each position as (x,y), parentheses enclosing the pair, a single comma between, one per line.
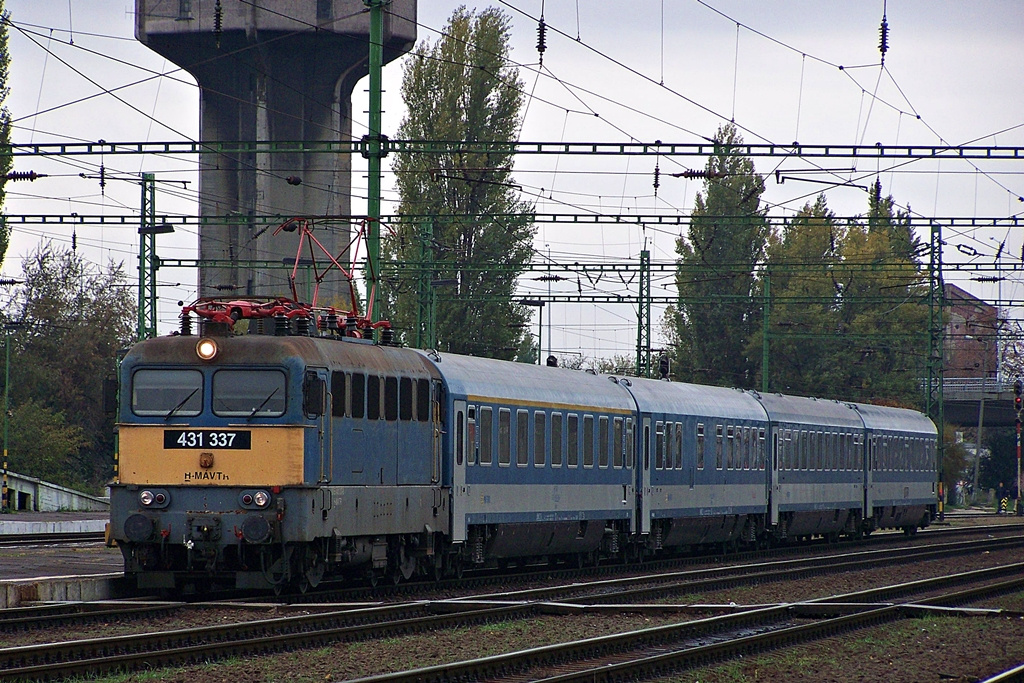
(962,402)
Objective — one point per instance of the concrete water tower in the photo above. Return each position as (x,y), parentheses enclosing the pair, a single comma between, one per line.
(271,70)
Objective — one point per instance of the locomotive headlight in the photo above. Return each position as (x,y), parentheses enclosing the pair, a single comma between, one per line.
(261,498)
(206,349)
(146,498)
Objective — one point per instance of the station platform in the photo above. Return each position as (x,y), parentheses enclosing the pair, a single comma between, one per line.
(52,522)
(58,571)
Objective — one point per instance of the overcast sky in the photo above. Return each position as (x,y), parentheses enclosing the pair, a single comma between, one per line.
(612,72)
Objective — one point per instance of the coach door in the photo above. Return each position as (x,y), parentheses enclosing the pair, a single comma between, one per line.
(460,493)
(773,478)
(644,489)
(870,453)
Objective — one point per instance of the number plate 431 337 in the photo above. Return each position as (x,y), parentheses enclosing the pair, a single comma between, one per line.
(233,439)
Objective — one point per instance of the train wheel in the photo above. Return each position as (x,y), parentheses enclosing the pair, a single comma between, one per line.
(372,577)
(436,570)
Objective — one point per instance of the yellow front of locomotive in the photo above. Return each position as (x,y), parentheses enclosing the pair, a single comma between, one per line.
(217,451)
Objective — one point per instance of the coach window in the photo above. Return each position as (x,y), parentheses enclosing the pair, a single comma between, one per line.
(588,440)
(672,454)
(659,446)
(249,393)
(474,448)
(504,437)
(573,434)
(730,448)
(486,425)
(539,437)
(522,438)
(338,394)
(372,397)
(718,446)
(390,399)
(670,458)
(602,441)
(700,446)
(618,442)
(679,445)
(746,447)
(167,393)
(630,443)
(761,459)
(556,439)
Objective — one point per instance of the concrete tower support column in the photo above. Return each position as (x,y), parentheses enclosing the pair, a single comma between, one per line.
(272,70)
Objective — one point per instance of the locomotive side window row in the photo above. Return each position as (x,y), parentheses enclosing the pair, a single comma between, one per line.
(372,397)
(569,438)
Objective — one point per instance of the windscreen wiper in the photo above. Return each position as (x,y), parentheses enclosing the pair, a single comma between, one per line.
(182,403)
(260,406)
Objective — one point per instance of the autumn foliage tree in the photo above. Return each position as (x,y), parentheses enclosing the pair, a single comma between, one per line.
(66,323)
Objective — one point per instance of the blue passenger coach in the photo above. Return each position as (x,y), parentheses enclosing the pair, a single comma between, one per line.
(703,474)
(542,460)
(901,469)
(817,470)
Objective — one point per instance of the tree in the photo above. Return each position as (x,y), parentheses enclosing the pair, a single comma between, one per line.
(6,158)
(847,314)
(800,270)
(719,308)
(44,445)
(461,88)
(71,319)
(883,306)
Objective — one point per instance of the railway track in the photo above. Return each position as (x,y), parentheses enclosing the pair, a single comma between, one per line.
(481,580)
(658,586)
(663,650)
(663,578)
(51,538)
(54,661)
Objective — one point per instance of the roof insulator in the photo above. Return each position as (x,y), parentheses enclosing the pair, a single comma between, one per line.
(883,38)
(542,30)
(218,22)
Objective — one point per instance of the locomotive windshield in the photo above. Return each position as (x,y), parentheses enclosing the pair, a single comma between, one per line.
(248,393)
(163,392)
